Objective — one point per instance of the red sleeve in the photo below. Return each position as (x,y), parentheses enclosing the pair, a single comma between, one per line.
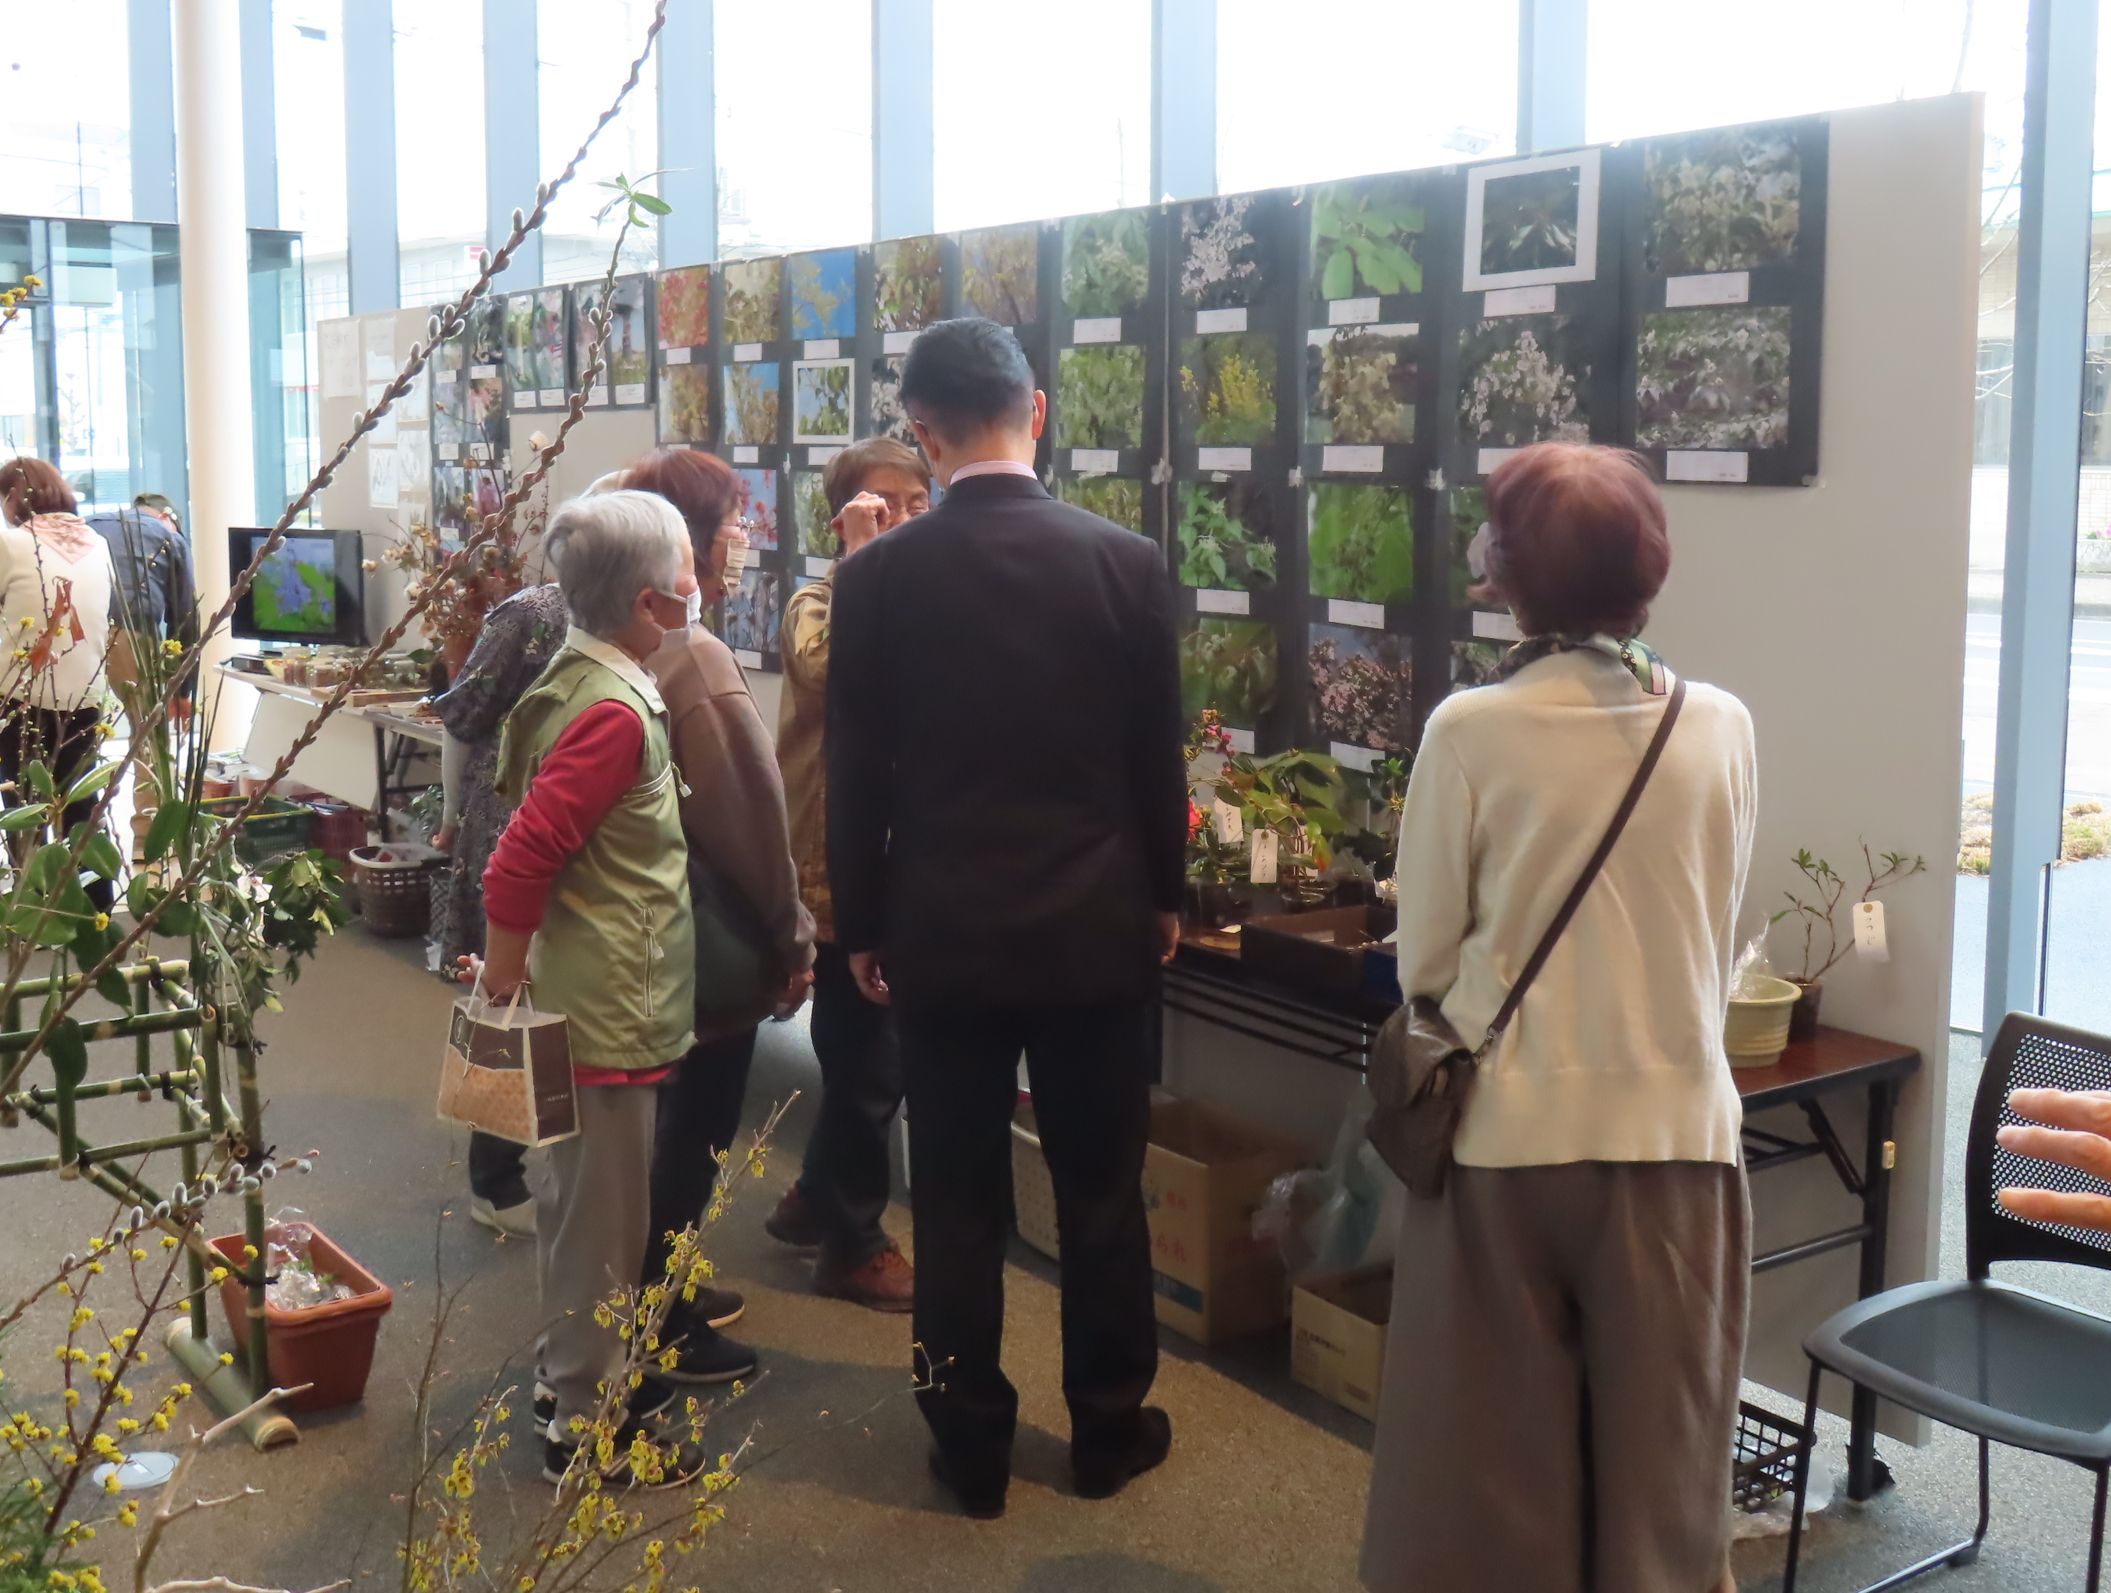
(593,763)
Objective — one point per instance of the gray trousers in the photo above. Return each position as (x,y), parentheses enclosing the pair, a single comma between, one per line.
(592,1222)
(1561,1382)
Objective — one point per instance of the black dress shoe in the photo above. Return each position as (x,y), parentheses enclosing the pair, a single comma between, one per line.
(978,1504)
(1103,1479)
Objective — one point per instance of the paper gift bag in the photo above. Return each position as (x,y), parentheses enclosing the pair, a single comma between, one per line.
(508,1072)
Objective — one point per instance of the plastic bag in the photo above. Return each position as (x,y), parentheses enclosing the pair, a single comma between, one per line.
(1340,1217)
(291,1281)
(1751,967)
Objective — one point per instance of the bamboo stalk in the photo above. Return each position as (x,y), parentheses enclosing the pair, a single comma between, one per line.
(103,1089)
(112,1029)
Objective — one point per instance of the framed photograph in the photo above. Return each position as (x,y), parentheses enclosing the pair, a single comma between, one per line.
(753,307)
(586,304)
(1714,379)
(749,412)
(1360,543)
(1727,199)
(1225,535)
(1233,666)
(685,307)
(1115,498)
(1000,274)
(1106,264)
(1532,222)
(450,503)
(1522,379)
(685,404)
(1222,259)
(816,537)
(824,292)
(754,614)
(631,337)
(821,400)
(888,417)
(1100,397)
(1360,384)
(908,286)
(1362,685)
(1367,241)
(1225,390)
(758,506)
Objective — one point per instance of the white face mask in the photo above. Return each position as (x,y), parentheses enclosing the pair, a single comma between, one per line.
(695,604)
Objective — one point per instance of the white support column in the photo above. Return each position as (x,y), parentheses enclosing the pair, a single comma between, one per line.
(213,244)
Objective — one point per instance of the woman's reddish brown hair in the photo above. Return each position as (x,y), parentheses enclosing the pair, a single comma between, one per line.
(30,486)
(1577,539)
(700,485)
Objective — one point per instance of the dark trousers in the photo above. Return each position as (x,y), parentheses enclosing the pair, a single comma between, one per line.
(847,1174)
(66,744)
(1090,1073)
(498,1169)
(699,1116)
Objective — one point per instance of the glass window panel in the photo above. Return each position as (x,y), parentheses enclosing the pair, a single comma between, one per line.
(440,210)
(1325,92)
(65,110)
(1033,121)
(279,375)
(584,49)
(308,80)
(798,178)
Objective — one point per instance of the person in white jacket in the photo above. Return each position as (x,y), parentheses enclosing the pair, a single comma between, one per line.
(1569,1319)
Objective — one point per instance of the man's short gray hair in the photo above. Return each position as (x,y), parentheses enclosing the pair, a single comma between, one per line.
(609,547)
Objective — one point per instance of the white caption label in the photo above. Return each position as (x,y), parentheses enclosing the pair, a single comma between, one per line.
(1710,287)
(480,450)
(526,400)
(1489,458)
(819,567)
(1496,628)
(1233,320)
(1211,601)
(746,659)
(1869,931)
(747,351)
(1706,464)
(746,454)
(897,342)
(1262,857)
(676,356)
(821,456)
(483,372)
(1361,458)
(1518,301)
(1096,329)
(1230,822)
(1241,740)
(1223,458)
(824,348)
(1363,759)
(598,396)
(1371,616)
(630,393)
(1352,312)
(1094,461)
(450,452)
(554,397)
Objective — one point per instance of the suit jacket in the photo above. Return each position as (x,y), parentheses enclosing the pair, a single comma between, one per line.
(1007,797)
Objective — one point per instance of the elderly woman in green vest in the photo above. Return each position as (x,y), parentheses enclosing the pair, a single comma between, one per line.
(586,900)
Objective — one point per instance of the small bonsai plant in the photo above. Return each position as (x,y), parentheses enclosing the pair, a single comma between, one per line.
(1298,795)
(1817,906)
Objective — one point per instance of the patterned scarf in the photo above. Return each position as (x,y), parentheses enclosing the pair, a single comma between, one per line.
(65,534)
(1635,656)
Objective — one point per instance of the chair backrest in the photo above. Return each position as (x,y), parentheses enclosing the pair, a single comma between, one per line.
(2029,1053)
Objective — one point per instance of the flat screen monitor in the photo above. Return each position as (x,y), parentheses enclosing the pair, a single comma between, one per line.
(310,589)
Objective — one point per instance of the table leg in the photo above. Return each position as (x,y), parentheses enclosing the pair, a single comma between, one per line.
(1865,1473)
(381,784)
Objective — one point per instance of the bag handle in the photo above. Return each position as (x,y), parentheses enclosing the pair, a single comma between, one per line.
(1626,810)
(477,995)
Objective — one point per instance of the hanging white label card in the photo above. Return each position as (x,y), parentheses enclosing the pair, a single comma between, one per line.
(676,356)
(1707,464)
(1230,822)
(1361,759)
(1489,458)
(747,351)
(1352,312)
(823,348)
(746,659)
(630,392)
(821,456)
(1262,857)
(1096,329)
(450,452)
(526,398)
(1371,616)
(598,396)
(1518,301)
(746,454)
(1360,458)
(1094,461)
(1709,287)
(483,373)
(1233,320)
(819,567)
(1210,601)
(1869,931)
(554,397)
(897,342)
(1223,458)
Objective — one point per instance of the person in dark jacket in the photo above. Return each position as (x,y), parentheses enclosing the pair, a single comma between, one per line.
(153,599)
(1007,818)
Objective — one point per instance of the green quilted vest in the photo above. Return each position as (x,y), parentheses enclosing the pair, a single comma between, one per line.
(616,953)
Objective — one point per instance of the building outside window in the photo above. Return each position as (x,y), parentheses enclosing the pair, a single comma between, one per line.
(65,111)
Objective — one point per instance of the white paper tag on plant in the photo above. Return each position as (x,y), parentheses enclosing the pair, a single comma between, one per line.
(1709,287)
(745,352)
(746,453)
(1707,464)
(1352,312)
(1096,329)
(1361,759)
(1223,458)
(556,397)
(1518,301)
(824,348)
(1496,627)
(1230,822)
(1261,862)
(676,356)
(1095,461)
(1233,320)
(630,393)
(1489,458)
(1869,931)
(819,567)
(821,456)
(896,342)
(1241,740)
(1352,458)
(1211,601)
(1371,616)
(746,659)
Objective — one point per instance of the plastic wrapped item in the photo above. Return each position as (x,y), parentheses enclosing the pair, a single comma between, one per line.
(291,1281)
(1752,972)
(1340,1217)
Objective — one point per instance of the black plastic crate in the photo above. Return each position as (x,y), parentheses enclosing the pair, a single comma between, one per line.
(1765,1453)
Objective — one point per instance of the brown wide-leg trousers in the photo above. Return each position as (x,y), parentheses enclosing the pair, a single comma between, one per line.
(1561,1382)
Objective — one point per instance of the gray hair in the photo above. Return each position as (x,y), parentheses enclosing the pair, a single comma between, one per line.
(609,547)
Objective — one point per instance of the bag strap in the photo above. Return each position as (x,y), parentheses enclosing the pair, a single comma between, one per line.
(1626,810)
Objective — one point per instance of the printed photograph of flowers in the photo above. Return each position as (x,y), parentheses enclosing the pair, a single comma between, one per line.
(751,312)
(1227,535)
(487,333)
(1470,585)
(908,284)
(1530,221)
(450,503)
(685,307)
(629,352)
(549,337)
(1713,378)
(1516,385)
(753,615)
(824,289)
(685,404)
(1474,663)
(1099,397)
(1361,542)
(810,516)
(821,400)
(1359,386)
(1222,262)
(447,358)
(1115,498)
(1227,389)
(758,506)
(448,429)
(1362,682)
(1726,200)
(524,371)
(1367,237)
(889,419)
(750,409)
(487,410)
(1000,274)
(1106,263)
(1231,665)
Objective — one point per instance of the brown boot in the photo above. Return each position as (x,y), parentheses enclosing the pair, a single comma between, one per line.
(885,1282)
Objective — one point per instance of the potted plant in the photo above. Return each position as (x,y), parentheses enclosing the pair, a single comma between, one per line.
(1212,861)
(457,601)
(1817,908)
(1298,795)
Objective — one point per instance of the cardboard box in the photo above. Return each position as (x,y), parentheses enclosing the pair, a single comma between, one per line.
(1337,1336)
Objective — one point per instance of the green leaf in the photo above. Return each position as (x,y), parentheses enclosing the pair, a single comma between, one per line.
(91,782)
(178,918)
(102,858)
(23,818)
(653,204)
(1338,281)
(114,988)
(140,895)
(39,779)
(173,819)
(48,867)
(68,1049)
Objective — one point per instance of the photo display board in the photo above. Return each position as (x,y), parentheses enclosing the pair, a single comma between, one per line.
(688,396)
(537,350)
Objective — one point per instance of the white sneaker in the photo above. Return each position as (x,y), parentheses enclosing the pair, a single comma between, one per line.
(517,1221)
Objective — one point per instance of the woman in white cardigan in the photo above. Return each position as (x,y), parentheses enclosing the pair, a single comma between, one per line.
(1568,1322)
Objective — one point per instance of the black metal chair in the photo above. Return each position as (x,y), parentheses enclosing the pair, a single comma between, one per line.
(2005,1364)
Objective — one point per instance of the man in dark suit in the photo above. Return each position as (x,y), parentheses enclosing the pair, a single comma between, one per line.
(1007,809)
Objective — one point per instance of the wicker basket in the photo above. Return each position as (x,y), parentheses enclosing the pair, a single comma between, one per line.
(395,888)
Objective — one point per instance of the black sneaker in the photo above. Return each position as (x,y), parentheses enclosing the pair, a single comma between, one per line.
(1103,1479)
(562,1462)
(709,1356)
(652,1397)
